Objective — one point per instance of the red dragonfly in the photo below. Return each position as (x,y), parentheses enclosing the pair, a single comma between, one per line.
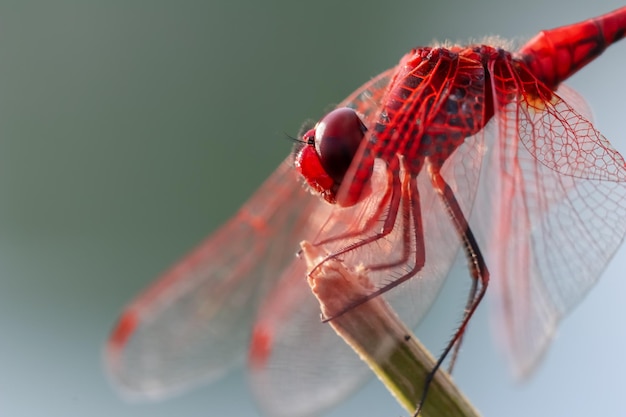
(469,148)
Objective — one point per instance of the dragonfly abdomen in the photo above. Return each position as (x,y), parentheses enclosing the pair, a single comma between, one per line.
(555,55)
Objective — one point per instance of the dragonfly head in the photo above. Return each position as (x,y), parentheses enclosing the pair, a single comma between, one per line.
(327,150)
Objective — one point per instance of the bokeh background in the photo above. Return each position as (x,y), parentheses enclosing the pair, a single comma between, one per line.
(130,130)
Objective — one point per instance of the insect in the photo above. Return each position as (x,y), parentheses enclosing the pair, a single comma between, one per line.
(456,148)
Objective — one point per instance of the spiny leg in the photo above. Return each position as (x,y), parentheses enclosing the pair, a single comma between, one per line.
(393,183)
(413,210)
(388,224)
(468,306)
(406,229)
(478,271)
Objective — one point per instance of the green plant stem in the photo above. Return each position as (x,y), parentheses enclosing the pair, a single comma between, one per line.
(379,337)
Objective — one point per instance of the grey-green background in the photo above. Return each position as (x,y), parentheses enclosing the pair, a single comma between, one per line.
(129,130)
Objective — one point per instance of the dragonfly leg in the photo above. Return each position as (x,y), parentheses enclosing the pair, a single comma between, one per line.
(478,271)
(393,185)
(468,306)
(395,196)
(411,209)
(406,229)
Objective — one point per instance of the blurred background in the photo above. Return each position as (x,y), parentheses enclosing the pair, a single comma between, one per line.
(131,130)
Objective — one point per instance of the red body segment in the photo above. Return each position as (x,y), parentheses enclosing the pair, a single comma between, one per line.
(555,55)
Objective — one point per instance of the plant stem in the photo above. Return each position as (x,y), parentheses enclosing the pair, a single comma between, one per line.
(379,337)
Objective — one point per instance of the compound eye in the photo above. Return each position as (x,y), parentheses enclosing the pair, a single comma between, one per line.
(337,139)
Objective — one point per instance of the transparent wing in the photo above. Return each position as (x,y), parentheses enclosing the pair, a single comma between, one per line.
(366,99)
(555,204)
(194,323)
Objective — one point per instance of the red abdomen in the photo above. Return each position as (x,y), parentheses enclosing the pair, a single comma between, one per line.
(555,55)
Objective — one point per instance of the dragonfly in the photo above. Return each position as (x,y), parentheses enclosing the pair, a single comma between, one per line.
(456,149)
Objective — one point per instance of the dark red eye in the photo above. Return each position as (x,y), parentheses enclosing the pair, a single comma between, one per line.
(337,138)
(330,147)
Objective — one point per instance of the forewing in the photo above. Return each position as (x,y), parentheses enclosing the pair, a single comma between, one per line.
(194,323)
(555,203)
